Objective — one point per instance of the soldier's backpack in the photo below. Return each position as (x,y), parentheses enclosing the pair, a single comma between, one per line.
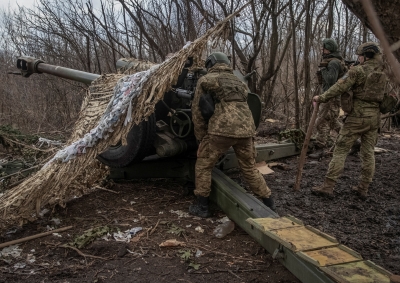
(388,103)
(374,87)
(373,91)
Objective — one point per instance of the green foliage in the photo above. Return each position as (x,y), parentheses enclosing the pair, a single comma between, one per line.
(187,256)
(89,236)
(176,230)
(195,266)
(296,136)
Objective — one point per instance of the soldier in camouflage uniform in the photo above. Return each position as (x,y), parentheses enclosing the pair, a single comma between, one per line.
(231,124)
(332,67)
(367,81)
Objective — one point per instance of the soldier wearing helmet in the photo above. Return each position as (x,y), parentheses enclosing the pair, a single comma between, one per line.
(332,67)
(230,125)
(367,82)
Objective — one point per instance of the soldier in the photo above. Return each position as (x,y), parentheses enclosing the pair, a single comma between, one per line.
(367,81)
(231,124)
(332,67)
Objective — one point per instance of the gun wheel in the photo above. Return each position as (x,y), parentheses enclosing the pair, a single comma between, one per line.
(140,144)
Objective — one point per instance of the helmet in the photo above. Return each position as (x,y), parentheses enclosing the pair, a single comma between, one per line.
(330,44)
(370,46)
(216,57)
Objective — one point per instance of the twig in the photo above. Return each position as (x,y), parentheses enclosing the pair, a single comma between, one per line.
(390,115)
(19,172)
(82,254)
(303,154)
(28,146)
(6,244)
(75,249)
(221,270)
(231,272)
(225,254)
(152,230)
(97,272)
(251,270)
(104,189)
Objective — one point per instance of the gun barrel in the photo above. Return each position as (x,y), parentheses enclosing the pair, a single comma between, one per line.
(67,73)
(30,65)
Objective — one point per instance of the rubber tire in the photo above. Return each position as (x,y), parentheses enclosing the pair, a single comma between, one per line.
(140,144)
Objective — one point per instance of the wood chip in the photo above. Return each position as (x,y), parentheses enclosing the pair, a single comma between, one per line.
(264,168)
(172,243)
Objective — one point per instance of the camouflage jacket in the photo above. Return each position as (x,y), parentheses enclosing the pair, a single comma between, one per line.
(355,80)
(232,116)
(331,73)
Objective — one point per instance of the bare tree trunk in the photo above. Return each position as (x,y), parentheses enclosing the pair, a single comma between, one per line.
(344,51)
(307,69)
(365,33)
(295,75)
(329,31)
(88,54)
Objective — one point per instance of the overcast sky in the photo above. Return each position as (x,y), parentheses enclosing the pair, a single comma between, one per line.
(13,3)
(4,4)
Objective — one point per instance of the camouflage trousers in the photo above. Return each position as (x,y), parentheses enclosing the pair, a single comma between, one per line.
(212,147)
(327,120)
(365,128)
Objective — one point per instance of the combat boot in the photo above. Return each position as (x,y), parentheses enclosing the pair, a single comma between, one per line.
(270,203)
(200,207)
(326,189)
(361,190)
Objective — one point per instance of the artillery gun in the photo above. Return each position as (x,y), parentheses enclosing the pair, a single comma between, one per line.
(168,132)
(164,146)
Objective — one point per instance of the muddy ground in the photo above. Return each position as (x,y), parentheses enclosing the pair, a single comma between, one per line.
(370,227)
(155,206)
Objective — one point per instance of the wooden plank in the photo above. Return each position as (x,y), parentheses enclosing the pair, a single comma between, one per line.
(302,239)
(330,256)
(270,224)
(356,272)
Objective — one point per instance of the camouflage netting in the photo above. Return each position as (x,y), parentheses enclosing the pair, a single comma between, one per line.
(296,136)
(58,182)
